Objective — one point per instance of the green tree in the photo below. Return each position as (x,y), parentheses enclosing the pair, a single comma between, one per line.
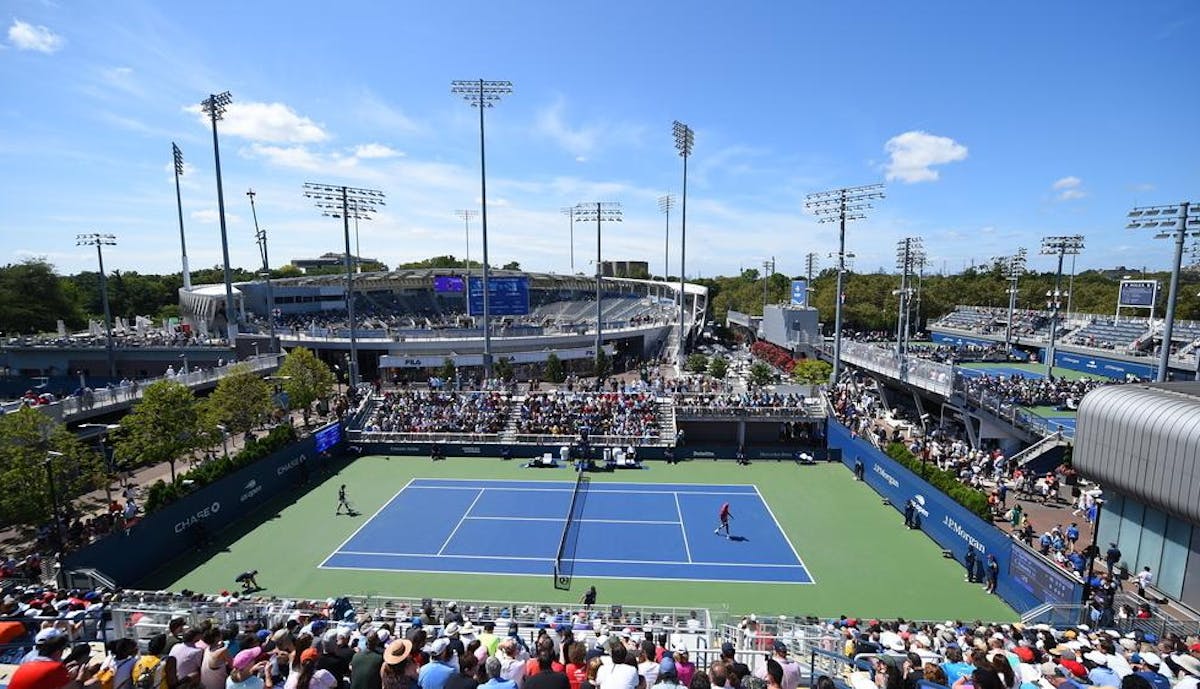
(503,369)
(760,374)
(32,299)
(812,371)
(511,265)
(448,371)
(554,369)
(306,379)
(718,367)
(163,426)
(27,437)
(241,402)
(697,363)
(601,365)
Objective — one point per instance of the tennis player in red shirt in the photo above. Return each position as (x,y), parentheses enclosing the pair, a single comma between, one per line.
(724,515)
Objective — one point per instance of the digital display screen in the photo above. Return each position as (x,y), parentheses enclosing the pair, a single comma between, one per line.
(448,283)
(1047,582)
(328,437)
(507,296)
(1138,293)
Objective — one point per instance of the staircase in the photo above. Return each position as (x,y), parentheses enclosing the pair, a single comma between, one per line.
(665,409)
(509,434)
(1042,456)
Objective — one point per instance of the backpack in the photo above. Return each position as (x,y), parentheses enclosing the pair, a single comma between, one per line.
(150,677)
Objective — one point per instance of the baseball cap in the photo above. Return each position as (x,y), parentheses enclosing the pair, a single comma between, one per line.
(1146,658)
(779,646)
(439,646)
(246,658)
(310,653)
(49,635)
(666,667)
(727,648)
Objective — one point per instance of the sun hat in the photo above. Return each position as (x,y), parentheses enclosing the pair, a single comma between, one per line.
(397,651)
(451,629)
(246,658)
(1096,657)
(1189,664)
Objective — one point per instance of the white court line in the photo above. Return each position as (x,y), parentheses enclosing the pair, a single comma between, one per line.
(575,521)
(601,562)
(633,487)
(461,520)
(590,576)
(784,534)
(686,548)
(364,524)
(590,490)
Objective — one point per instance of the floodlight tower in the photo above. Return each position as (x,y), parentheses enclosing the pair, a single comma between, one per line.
(339,201)
(840,206)
(1178,222)
(177,156)
(811,260)
(768,270)
(1060,246)
(100,241)
(570,213)
(260,237)
(483,94)
(665,203)
(601,212)
(467,215)
(919,261)
(215,106)
(685,139)
(1013,267)
(906,260)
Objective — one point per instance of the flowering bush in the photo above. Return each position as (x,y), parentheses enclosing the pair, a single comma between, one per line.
(774,355)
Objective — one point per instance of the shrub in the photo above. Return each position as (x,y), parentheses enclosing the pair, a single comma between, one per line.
(945,481)
(162,493)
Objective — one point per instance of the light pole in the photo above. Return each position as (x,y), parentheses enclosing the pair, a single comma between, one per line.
(224,438)
(570,213)
(840,206)
(58,531)
(1061,246)
(768,271)
(665,204)
(1014,268)
(177,156)
(601,212)
(215,106)
(466,216)
(342,202)
(907,250)
(483,94)
(685,139)
(260,236)
(100,241)
(1176,222)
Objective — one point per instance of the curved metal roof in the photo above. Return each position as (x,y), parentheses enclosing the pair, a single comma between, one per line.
(1144,441)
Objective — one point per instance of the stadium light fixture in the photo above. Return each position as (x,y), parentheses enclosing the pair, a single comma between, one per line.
(570,213)
(665,203)
(601,212)
(685,139)
(1013,268)
(811,261)
(342,202)
(100,241)
(260,237)
(215,106)
(907,250)
(467,214)
(483,94)
(1178,222)
(1059,245)
(177,158)
(841,206)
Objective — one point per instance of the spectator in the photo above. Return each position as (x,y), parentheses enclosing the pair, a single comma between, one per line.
(495,670)
(546,677)
(366,667)
(46,669)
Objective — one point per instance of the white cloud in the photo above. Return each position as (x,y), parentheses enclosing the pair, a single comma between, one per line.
(1069,188)
(579,141)
(26,36)
(298,157)
(913,155)
(270,122)
(375,151)
(209,216)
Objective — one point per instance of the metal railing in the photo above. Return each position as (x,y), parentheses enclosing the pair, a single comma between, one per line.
(929,375)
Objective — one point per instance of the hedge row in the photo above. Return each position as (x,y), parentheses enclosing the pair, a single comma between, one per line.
(944,481)
(162,493)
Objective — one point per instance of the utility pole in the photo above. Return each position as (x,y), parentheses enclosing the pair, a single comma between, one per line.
(840,206)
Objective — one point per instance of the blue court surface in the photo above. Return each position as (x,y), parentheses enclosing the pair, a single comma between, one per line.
(1066,422)
(621,530)
(1005,371)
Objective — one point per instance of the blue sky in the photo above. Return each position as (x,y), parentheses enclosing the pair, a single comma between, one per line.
(992,124)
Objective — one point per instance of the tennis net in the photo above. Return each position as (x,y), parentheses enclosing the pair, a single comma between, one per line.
(564,560)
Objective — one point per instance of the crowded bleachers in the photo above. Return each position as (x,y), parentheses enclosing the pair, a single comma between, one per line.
(563,413)
(1107,333)
(440,412)
(1021,391)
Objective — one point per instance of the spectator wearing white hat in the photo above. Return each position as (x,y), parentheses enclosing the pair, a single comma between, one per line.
(441,665)
(47,669)
(1146,665)
(1189,671)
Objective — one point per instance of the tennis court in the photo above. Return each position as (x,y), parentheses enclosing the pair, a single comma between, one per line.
(616,530)
(993,370)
